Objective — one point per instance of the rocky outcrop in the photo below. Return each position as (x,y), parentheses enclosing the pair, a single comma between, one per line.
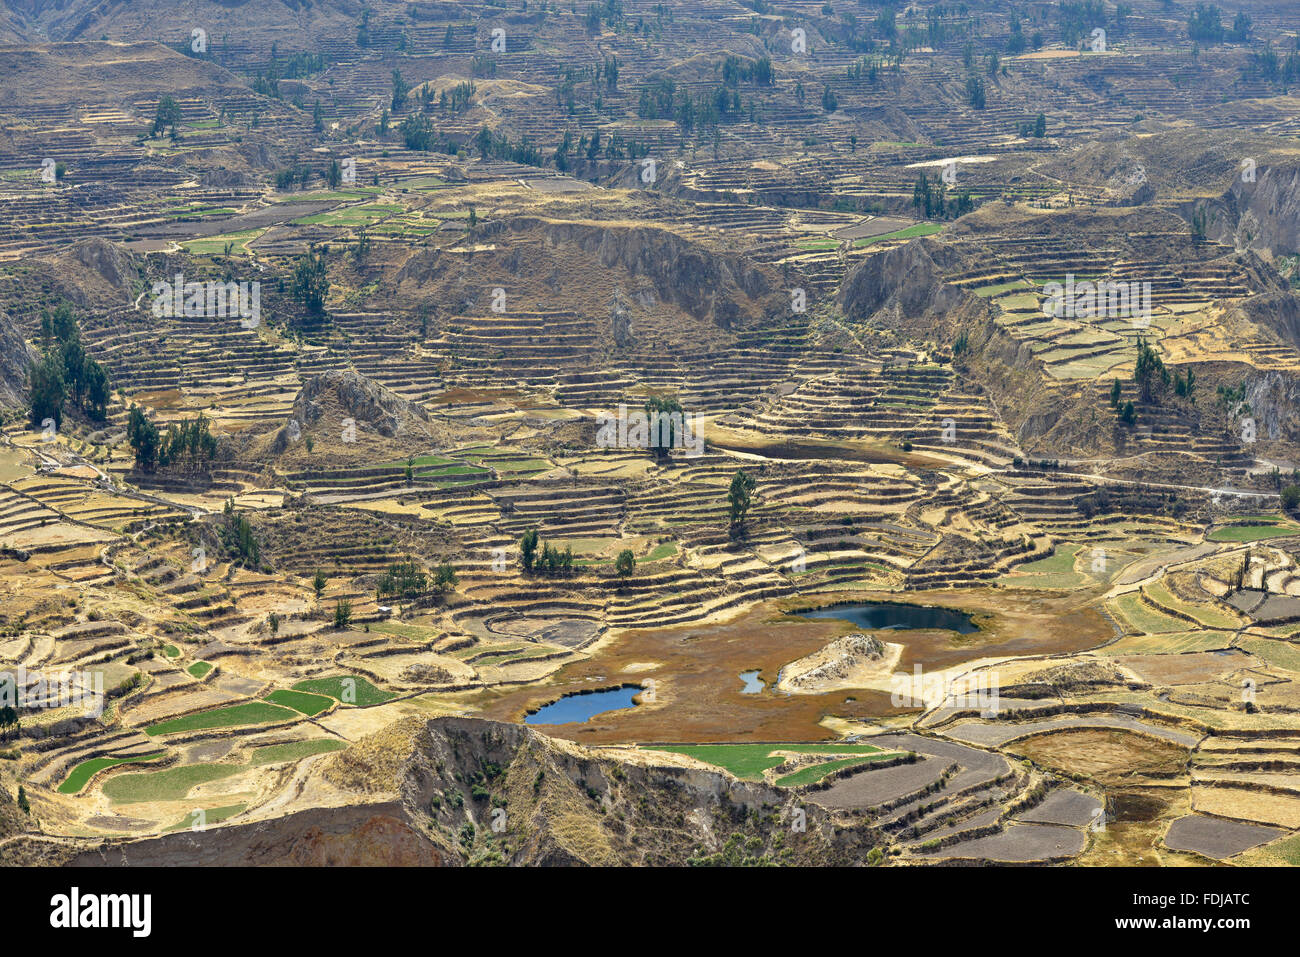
(838,661)
(906,278)
(108,261)
(1274,401)
(345,403)
(1279,313)
(563,804)
(93,274)
(1260,210)
(15,355)
(1129,186)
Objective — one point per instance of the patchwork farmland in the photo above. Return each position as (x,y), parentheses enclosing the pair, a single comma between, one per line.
(704,433)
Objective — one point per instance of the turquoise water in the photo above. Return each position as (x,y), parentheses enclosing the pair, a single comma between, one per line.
(884,615)
(581,706)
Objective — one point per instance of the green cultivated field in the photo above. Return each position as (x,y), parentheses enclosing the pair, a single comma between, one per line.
(350,216)
(216,245)
(86,770)
(815,772)
(1207,614)
(253,712)
(1280,653)
(1143,617)
(911,232)
(1054,571)
(293,750)
(173,784)
(212,815)
(199,669)
(1002,288)
(309,704)
(1252,533)
(366,693)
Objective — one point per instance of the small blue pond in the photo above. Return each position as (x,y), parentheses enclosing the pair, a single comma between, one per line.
(581,706)
(883,615)
(753,685)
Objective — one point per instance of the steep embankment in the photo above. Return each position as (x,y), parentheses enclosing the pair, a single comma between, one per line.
(903,289)
(15,355)
(1260,210)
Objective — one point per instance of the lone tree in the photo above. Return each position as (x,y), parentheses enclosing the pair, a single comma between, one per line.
(342,614)
(665,419)
(167,114)
(1201,222)
(318,584)
(10,726)
(144,440)
(48,393)
(625,563)
(400,89)
(444,579)
(740,497)
(237,538)
(311,283)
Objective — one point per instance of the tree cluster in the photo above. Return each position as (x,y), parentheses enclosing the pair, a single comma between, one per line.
(550,561)
(65,372)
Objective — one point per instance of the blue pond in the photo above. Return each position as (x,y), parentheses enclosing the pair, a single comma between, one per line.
(883,615)
(753,684)
(581,706)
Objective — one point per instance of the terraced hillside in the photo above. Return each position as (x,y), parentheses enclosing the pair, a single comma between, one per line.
(709,433)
